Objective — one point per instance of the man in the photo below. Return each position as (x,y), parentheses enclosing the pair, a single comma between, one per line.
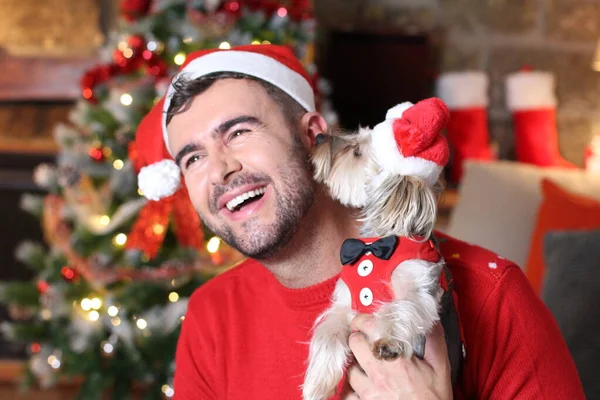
(240,125)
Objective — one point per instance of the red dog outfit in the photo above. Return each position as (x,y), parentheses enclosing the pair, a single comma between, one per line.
(370,263)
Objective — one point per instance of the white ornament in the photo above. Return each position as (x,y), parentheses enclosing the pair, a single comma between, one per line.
(45,176)
(159,180)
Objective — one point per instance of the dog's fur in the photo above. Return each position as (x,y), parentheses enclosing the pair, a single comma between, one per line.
(390,204)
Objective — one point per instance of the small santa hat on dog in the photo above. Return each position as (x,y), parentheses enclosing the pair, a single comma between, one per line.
(271,63)
(410,143)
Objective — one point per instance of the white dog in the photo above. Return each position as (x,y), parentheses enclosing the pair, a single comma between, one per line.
(393,271)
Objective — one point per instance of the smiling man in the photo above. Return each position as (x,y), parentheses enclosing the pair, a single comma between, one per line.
(240,125)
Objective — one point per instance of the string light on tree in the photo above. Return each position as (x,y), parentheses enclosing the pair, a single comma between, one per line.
(126,99)
(141,323)
(120,239)
(46,314)
(107,347)
(225,46)
(86,304)
(282,12)
(96,303)
(179,58)
(168,391)
(54,361)
(94,315)
(173,297)
(115,321)
(213,248)
(158,229)
(118,164)
(112,311)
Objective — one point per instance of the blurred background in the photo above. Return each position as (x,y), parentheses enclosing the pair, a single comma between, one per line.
(94,279)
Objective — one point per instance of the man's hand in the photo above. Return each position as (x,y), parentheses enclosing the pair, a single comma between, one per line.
(371,378)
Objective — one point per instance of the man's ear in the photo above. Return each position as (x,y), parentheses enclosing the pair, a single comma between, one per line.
(311,125)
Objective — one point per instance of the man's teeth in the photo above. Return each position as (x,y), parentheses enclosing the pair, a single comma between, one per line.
(232,204)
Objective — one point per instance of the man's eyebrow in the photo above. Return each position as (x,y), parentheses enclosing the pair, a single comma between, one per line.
(227,125)
(187,149)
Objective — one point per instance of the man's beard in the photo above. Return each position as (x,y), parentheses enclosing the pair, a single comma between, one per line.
(294,199)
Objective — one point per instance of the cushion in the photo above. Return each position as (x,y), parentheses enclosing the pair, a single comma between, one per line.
(498,203)
(560,210)
(570,291)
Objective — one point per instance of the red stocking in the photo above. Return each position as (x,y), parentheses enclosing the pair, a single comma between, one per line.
(530,97)
(465,94)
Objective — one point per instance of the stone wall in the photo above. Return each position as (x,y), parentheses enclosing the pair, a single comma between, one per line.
(500,36)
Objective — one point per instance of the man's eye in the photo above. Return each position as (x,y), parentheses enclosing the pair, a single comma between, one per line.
(237,133)
(191,160)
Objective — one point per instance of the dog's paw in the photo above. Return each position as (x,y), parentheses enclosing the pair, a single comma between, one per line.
(388,349)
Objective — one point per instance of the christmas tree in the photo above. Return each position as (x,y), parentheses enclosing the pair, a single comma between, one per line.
(113,277)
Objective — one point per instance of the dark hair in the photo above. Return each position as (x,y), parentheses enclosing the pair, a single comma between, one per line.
(187,89)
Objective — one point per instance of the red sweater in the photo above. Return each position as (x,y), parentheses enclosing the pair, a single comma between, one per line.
(245,336)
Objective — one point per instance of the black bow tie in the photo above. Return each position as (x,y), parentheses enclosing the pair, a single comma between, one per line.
(353,249)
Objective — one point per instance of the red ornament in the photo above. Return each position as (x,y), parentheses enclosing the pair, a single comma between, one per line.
(133,9)
(35,348)
(136,43)
(301,10)
(93,77)
(96,154)
(69,274)
(157,66)
(42,286)
(232,7)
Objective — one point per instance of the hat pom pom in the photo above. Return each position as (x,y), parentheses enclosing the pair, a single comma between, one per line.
(159,180)
(397,111)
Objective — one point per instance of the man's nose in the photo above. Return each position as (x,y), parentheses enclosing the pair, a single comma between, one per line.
(222,167)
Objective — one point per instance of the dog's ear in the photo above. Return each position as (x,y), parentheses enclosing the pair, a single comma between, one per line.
(321,156)
(349,167)
(399,205)
(341,160)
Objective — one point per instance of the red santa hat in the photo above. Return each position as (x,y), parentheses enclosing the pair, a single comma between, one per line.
(410,143)
(271,63)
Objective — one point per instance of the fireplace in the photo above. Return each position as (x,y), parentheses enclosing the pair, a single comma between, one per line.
(370,73)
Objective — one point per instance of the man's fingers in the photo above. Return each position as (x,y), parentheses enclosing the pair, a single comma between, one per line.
(357,378)
(364,323)
(436,352)
(362,351)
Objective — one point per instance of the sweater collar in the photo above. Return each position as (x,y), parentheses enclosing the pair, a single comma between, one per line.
(317,295)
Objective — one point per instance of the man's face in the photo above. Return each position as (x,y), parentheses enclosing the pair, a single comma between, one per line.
(246,170)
